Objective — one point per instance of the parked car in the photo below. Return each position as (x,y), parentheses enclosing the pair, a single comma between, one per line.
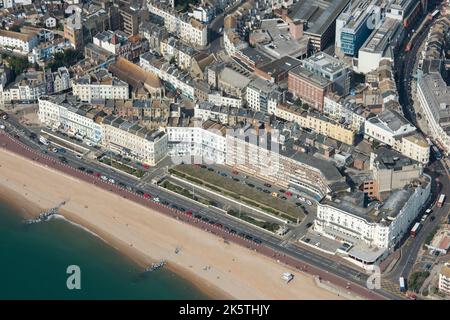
(81,168)
(268,185)
(309,224)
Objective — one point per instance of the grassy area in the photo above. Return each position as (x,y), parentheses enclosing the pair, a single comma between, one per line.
(430,236)
(172,187)
(270,226)
(123,167)
(239,191)
(416,280)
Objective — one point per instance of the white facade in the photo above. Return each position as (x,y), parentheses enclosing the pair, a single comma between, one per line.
(147,149)
(444,279)
(50,22)
(171,75)
(434,98)
(22,43)
(220,100)
(207,144)
(333,220)
(89,92)
(189,30)
(67,118)
(338,110)
(391,129)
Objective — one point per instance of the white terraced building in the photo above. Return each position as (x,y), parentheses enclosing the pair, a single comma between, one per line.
(186,28)
(107,88)
(378,225)
(73,117)
(392,129)
(205,141)
(434,98)
(134,141)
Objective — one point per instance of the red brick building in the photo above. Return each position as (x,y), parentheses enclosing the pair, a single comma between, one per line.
(307,86)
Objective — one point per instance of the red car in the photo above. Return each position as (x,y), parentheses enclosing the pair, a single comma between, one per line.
(235,172)
(97,174)
(147,195)
(189,213)
(288,194)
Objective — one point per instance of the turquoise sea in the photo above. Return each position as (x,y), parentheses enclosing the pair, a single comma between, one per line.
(34,261)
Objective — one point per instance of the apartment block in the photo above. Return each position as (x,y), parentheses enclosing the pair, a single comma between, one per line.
(317,122)
(134,141)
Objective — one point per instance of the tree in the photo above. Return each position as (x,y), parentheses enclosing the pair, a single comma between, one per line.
(66,58)
(15,28)
(17,65)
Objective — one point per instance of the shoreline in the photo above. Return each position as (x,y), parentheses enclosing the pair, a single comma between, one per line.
(28,209)
(232,271)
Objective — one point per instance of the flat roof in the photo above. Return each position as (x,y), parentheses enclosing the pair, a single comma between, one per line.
(319,14)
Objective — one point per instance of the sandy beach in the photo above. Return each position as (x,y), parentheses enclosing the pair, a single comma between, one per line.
(221,270)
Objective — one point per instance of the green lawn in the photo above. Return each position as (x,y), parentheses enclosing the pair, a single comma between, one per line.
(270,226)
(175,188)
(123,167)
(236,190)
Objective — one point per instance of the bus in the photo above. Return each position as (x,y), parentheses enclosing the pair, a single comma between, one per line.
(402,284)
(435,13)
(415,229)
(441,201)
(436,152)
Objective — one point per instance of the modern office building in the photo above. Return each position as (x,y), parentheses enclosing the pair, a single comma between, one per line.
(381,44)
(354,26)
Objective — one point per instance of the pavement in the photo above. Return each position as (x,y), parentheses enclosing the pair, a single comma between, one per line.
(16,140)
